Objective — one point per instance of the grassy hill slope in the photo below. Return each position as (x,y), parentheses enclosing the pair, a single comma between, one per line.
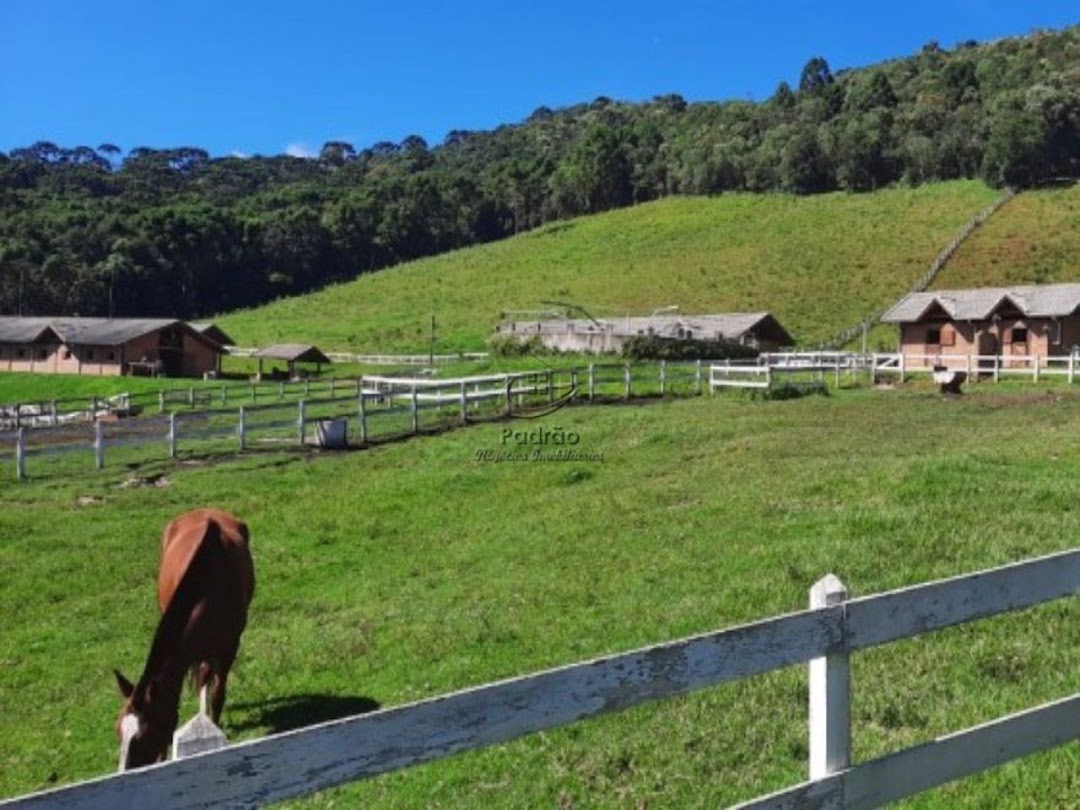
(818,263)
(1035,239)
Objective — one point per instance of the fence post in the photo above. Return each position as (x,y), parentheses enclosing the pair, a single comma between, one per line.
(551,385)
(224,394)
(363,414)
(509,383)
(281,390)
(1035,367)
(161,401)
(172,435)
(191,396)
(969,369)
(415,408)
(592,381)
(997,367)
(697,377)
(626,376)
(99,446)
(830,694)
(331,386)
(254,393)
(20,455)
(903,367)
(301,419)
(663,376)
(241,427)
(53,415)
(465,404)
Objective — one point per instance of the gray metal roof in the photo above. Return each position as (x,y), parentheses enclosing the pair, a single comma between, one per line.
(293,352)
(84,331)
(1033,300)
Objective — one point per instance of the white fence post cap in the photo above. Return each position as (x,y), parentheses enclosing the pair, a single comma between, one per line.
(197,736)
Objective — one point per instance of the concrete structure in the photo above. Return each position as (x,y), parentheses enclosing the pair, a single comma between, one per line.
(1033,320)
(105,346)
(759,330)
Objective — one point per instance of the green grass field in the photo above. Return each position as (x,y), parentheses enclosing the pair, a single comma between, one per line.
(819,263)
(411,569)
(1034,239)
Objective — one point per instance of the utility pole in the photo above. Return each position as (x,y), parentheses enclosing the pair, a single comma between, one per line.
(431,342)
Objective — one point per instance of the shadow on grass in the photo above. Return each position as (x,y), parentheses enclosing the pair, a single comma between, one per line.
(297,711)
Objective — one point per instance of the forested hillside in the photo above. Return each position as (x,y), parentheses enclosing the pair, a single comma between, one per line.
(95,231)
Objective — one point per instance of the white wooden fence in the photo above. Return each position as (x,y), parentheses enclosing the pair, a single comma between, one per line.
(380,359)
(301,762)
(376,407)
(991,366)
(766,370)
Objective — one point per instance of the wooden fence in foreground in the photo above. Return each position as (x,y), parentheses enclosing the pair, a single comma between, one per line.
(301,762)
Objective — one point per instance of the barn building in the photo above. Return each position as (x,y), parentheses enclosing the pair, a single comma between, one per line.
(758,330)
(106,347)
(1037,320)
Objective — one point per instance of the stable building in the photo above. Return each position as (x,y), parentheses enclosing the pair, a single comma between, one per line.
(758,330)
(1040,320)
(106,347)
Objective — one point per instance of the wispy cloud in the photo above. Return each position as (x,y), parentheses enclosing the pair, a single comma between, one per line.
(300,150)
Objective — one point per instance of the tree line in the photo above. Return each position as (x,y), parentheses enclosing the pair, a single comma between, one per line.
(176,232)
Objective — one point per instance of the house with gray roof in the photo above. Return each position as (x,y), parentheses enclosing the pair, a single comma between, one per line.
(1040,320)
(759,330)
(106,346)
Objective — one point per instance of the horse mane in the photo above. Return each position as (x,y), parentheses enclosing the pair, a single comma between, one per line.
(175,618)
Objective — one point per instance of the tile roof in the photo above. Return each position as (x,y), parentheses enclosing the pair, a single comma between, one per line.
(85,331)
(1033,300)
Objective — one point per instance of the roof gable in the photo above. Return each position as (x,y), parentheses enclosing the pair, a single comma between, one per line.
(1033,300)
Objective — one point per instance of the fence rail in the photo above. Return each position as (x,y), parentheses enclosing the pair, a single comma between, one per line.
(301,762)
(374,408)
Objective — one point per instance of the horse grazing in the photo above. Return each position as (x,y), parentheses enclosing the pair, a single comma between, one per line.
(205,585)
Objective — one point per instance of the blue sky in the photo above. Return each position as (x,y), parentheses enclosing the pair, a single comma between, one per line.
(269,77)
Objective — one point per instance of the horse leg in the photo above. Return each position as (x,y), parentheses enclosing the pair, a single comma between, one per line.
(202,682)
(217,697)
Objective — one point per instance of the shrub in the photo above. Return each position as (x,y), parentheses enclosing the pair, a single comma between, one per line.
(652,347)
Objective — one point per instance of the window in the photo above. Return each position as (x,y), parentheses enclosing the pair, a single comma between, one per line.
(42,354)
(1019,334)
(67,354)
(948,335)
(89,354)
(20,353)
(110,356)
(933,336)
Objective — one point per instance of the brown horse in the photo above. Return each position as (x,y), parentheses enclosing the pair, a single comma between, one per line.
(205,585)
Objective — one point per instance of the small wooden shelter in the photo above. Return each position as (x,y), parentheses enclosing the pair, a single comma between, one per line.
(292,353)
(214,332)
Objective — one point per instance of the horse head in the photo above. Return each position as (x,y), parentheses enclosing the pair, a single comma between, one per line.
(146,724)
